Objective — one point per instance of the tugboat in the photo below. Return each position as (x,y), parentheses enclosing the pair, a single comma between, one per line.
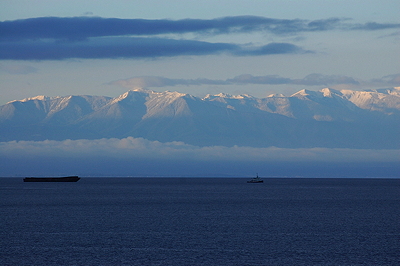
(256,179)
(52,179)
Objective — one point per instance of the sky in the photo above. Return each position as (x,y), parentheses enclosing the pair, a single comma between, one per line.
(59,48)
(256,47)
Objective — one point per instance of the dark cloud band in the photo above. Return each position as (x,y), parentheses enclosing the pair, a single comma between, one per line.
(85,27)
(133,47)
(56,38)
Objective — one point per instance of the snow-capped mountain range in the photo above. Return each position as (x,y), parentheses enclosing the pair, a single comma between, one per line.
(325,118)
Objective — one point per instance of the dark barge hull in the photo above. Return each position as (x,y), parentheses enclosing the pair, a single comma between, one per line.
(52,179)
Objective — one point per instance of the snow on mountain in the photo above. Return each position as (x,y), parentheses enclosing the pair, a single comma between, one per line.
(382,100)
(324,105)
(26,111)
(44,109)
(277,95)
(167,104)
(325,118)
(71,108)
(242,103)
(39,97)
(123,106)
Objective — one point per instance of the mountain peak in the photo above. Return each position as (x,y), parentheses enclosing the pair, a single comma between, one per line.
(172,94)
(227,96)
(325,92)
(328,92)
(276,95)
(131,95)
(38,98)
(168,104)
(140,89)
(303,93)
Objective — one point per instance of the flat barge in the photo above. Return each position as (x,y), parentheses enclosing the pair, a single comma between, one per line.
(52,179)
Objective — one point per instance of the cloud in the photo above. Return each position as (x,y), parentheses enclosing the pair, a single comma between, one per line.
(137,157)
(74,28)
(109,48)
(133,47)
(78,28)
(268,79)
(374,26)
(88,13)
(310,80)
(56,38)
(320,79)
(17,69)
(272,48)
(389,80)
(153,81)
(325,24)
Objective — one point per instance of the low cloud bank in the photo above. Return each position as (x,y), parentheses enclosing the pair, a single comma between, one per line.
(138,157)
(314,79)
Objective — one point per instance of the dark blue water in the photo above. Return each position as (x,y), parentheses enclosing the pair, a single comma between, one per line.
(177,221)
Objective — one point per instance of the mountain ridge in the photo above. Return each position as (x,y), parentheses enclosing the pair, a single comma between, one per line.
(324,118)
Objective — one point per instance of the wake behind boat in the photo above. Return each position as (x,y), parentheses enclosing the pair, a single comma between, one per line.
(256,179)
(52,179)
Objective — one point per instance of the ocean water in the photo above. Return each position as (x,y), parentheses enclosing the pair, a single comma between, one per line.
(200,221)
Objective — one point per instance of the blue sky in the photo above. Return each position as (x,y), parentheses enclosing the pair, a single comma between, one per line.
(284,45)
(256,47)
